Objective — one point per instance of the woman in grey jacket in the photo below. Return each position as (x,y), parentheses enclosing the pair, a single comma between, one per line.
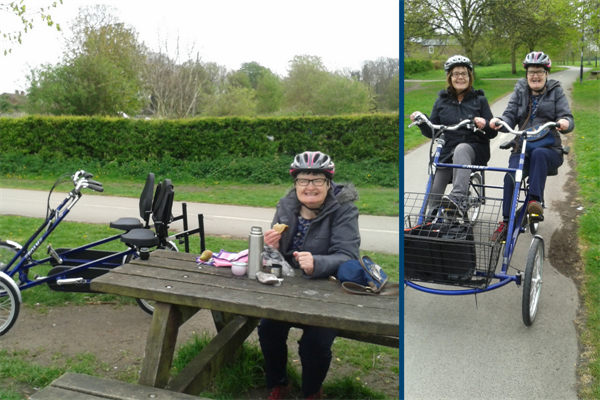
(536,100)
(323,233)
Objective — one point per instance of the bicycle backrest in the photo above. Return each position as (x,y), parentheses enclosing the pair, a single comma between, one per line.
(146,199)
(162,207)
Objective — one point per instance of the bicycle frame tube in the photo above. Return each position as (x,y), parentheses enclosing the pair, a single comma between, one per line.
(436,158)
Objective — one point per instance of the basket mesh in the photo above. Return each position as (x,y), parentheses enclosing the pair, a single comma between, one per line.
(448,247)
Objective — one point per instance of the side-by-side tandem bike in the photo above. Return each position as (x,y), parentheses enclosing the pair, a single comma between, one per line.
(451,251)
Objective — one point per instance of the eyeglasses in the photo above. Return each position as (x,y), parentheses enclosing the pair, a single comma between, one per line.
(538,73)
(305,182)
(462,74)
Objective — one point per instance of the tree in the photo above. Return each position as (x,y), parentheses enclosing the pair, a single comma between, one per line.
(305,76)
(101,73)
(234,101)
(341,95)
(268,86)
(19,9)
(465,20)
(378,75)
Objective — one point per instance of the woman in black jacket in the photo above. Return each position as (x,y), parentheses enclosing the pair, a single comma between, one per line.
(463,146)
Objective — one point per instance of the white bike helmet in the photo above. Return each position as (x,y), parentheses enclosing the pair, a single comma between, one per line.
(313,161)
(456,61)
(537,58)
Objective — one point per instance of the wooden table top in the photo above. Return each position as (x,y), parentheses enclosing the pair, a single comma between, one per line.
(176,278)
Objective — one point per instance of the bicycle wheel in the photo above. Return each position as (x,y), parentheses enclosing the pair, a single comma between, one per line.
(474,197)
(148,305)
(532,283)
(7,251)
(10,303)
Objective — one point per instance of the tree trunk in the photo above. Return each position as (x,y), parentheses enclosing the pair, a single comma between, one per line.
(513,59)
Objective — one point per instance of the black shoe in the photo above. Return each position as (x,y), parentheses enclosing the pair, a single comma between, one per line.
(453,204)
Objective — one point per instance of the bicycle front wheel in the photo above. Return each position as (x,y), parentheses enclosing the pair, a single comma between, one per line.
(532,282)
(10,303)
(148,305)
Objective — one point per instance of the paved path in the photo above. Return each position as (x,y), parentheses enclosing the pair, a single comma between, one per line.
(462,347)
(379,234)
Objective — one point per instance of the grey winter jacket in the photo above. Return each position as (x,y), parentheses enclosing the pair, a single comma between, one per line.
(553,106)
(447,110)
(333,236)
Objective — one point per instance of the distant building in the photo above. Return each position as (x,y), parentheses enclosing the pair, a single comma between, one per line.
(433,49)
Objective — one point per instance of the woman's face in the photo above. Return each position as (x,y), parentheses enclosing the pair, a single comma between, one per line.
(460,78)
(312,194)
(536,77)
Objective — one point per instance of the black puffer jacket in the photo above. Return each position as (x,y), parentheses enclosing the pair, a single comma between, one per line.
(553,106)
(447,110)
(333,236)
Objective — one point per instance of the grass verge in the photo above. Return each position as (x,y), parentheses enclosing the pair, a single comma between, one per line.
(586,109)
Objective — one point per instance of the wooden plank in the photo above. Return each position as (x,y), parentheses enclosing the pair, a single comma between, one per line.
(73,386)
(53,393)
(312,309)
(196,376)
(390,341)
(160,345)
(291,287)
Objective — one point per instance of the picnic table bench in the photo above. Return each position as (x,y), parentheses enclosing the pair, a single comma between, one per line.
(72,386)
(181,287)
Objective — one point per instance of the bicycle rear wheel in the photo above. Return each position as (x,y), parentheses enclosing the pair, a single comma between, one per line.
(10,303)
(532,282)
(148,305)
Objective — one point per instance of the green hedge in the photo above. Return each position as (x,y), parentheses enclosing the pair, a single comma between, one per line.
(349,138)
(413,66)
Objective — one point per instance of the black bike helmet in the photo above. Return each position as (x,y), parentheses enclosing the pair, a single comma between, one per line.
(456,61)
(312,161)
(537,58)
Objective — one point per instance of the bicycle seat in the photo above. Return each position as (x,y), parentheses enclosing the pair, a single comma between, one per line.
(145,207)
(161,215)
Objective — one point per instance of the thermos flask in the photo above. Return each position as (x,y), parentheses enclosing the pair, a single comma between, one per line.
(256,242)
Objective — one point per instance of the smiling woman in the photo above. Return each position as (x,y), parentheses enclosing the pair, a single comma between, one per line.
(323,234)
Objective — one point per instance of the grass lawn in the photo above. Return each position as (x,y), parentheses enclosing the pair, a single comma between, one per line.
(498,71)
(586,135)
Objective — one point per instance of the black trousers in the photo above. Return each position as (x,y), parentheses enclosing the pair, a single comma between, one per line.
(314,350)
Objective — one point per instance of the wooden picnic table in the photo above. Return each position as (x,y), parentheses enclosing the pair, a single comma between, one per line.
(181,287)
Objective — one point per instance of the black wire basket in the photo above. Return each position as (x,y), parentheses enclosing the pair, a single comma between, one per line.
(450,245)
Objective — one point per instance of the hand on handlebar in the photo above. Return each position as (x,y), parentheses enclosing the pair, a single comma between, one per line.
(417,115)
(493,122)
(479,122)
(562,124)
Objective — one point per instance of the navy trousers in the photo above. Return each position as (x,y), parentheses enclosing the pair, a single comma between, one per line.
(538,163)
(314,350)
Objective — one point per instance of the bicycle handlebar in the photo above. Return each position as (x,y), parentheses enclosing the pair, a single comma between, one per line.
(81,180)
(421,118)
(529,133)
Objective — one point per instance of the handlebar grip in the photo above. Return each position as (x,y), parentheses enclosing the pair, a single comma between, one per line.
(88,175)
(93,182)
(497,124)
(96,187)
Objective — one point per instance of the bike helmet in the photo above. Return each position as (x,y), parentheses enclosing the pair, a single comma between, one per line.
(456,61)
(312,161)
(537,58)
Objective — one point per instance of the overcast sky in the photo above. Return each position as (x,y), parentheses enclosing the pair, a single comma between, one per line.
(344,33)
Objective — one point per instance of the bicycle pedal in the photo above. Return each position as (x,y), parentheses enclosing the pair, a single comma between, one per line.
(536,218)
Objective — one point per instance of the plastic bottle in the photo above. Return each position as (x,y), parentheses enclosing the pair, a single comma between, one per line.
(256,242)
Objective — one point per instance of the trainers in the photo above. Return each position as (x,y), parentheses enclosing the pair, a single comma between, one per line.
(535,209)
(318,395)
(454,204)
(280,392)
(499,234)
